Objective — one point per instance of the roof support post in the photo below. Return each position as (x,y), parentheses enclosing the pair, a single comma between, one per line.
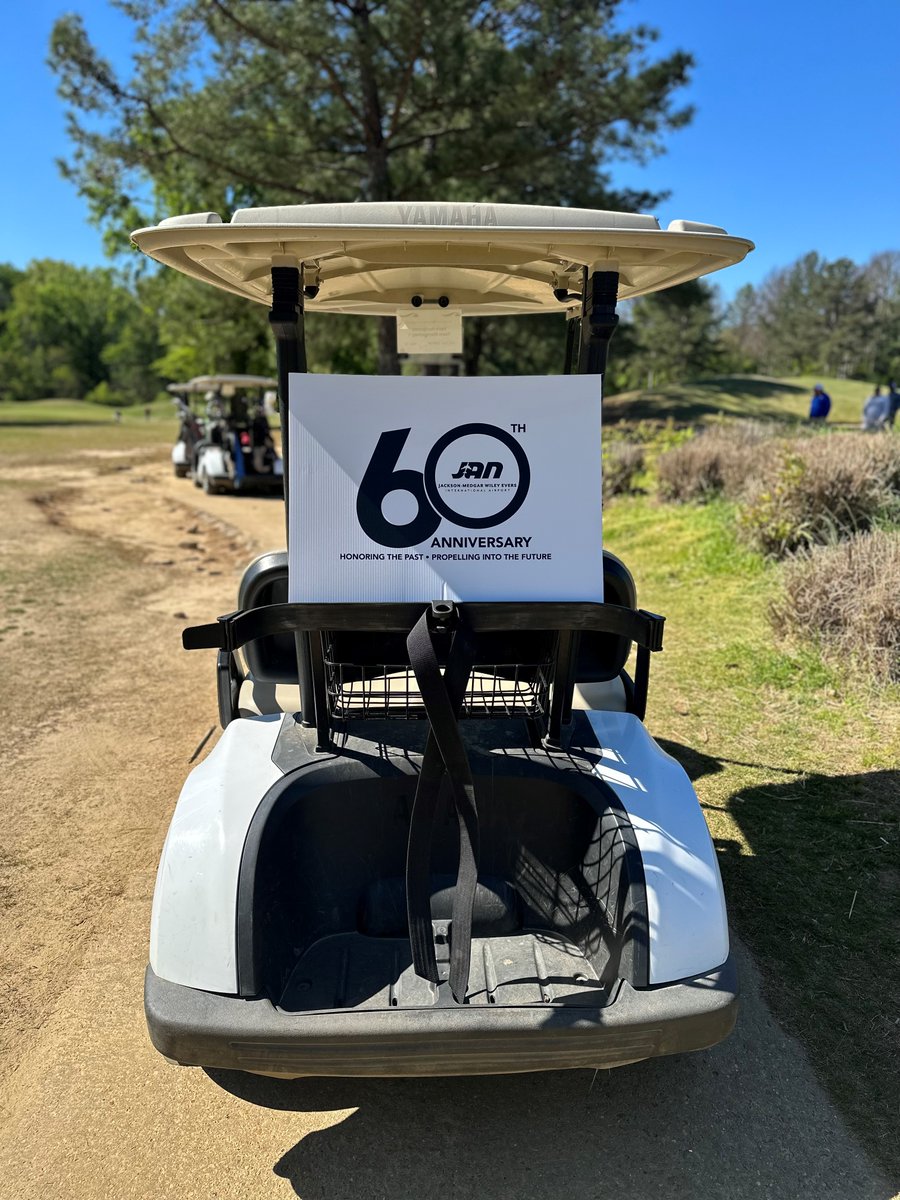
(598,319)
(598,323)
(286,320)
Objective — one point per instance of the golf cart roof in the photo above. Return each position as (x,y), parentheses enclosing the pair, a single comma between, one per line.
(487,259)
(224,383)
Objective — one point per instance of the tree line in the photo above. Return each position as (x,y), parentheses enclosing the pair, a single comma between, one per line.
(119,338)
(815,316)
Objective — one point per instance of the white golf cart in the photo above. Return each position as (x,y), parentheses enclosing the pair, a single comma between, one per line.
(435,837)
(236,451)
(190,429)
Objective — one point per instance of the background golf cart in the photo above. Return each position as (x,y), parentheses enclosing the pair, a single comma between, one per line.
(190,431)
(236,451)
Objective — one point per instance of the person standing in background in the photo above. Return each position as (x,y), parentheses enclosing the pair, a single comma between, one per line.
(893,403)
(819,404)
(875,411)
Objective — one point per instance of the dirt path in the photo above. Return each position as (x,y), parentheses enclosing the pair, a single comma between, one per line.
(99,576)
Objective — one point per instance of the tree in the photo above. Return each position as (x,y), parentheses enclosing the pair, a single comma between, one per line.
(673,335)
(882,275)
(203,331)
(817,316)
(834,318)
(9,277)
(743,340)
(131,355)
(68,330)
(232,104)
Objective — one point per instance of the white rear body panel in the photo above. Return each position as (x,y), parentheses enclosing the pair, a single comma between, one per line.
(685,901)
(192,927)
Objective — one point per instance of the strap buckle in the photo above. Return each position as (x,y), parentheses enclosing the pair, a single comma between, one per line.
(442,614)
(226,631)
(655,625)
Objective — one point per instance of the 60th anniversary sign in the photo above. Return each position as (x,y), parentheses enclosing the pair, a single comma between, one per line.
(430,488)
(475,496)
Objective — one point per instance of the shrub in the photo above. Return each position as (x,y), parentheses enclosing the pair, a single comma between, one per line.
(104,394)
(818,490)
(622,461)
(846,597)
(716,461)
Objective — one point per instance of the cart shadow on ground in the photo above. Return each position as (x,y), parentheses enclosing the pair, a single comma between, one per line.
(253,495)
(742,1120)
(745,1119)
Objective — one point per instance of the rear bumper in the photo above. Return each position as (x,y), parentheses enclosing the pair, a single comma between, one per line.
(258,483)
(205,1029)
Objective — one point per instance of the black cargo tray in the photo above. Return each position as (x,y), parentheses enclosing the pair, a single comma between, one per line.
(355,971)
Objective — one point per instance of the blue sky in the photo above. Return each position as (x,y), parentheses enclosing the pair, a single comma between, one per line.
(795,141)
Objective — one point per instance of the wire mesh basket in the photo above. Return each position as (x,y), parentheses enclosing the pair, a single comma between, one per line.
(383,690)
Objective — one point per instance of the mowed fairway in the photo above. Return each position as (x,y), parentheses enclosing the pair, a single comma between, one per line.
(104,557)
(757,397)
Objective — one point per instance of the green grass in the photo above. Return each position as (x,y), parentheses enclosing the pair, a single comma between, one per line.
(755,396)
(797,766)
(47,430)
(78,412)
(54,428)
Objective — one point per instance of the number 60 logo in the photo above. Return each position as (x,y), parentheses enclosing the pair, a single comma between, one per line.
(382,477)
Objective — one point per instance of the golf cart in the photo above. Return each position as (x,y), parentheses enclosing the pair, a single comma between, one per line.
(237,452)
(190,430)
(435,836)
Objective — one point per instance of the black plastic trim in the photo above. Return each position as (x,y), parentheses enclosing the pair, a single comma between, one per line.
(205,1029)
(234,630)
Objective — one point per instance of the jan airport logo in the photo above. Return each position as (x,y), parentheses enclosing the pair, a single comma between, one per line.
(475,476)
(478,470)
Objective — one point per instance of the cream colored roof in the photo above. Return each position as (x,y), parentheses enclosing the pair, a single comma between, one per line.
(203,383)
(486,258)
(227,384)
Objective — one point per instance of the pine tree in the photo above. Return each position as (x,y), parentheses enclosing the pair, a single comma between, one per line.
(259,102)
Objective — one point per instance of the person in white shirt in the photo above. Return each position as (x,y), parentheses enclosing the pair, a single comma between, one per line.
(875,411)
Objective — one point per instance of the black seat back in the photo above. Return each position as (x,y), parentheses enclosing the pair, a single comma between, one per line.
(602,656)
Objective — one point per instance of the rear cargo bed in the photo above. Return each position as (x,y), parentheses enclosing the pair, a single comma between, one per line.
(351,970)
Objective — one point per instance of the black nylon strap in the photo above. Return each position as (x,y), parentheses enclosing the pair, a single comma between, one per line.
(418,863)
(445,753)
(641,682)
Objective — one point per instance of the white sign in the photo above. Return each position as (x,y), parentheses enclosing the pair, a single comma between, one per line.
(405,489)
(429,331)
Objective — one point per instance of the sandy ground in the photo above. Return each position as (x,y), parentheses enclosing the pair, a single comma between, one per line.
(105,711)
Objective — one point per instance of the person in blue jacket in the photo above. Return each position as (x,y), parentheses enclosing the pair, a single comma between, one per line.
(819,404)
